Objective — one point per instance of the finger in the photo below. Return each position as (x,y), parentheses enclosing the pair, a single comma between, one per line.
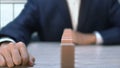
(23,52)
(2,61)
(7,56)
(31,61)
(15,54)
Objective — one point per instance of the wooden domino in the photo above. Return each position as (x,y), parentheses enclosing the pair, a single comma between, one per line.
(67,49)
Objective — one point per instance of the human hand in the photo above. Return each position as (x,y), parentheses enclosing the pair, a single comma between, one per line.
(83,38)
(79,38)
(15,54)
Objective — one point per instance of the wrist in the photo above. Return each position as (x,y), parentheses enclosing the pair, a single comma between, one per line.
(4,43)
(92,39)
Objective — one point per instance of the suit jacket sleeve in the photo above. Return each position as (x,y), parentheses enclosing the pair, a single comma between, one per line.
(112,35)
(24,25)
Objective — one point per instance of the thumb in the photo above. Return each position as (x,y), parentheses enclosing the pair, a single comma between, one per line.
(31,60)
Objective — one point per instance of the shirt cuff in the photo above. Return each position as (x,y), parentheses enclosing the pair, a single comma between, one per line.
(6,39)
(99,39)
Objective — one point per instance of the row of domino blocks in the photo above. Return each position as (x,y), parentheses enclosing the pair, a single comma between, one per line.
(67,49)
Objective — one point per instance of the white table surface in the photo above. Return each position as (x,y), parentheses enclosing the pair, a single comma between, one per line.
(93,56)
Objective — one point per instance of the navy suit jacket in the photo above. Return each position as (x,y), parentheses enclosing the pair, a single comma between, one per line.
(50,17)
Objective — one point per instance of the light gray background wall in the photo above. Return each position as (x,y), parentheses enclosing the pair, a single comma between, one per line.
(10,9)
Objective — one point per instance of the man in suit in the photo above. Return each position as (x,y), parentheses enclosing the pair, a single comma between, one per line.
(91,21)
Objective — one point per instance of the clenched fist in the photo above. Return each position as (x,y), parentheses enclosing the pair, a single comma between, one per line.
(14,54)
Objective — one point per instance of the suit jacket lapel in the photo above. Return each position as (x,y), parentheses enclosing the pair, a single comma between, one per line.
(65,12)
(83,14)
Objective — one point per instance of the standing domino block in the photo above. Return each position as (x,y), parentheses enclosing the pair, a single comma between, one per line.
(67,50)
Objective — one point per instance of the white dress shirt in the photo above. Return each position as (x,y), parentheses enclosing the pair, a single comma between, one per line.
(74,11)
(74,6)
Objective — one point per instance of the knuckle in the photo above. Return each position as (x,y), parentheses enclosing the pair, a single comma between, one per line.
(17,59)
(24,58)
(2,63)
(10,65)
(17,62)
(11,45)
(20,44)
(14,49)
(8,60)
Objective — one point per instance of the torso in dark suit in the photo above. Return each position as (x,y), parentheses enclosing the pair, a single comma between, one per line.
(50,17)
